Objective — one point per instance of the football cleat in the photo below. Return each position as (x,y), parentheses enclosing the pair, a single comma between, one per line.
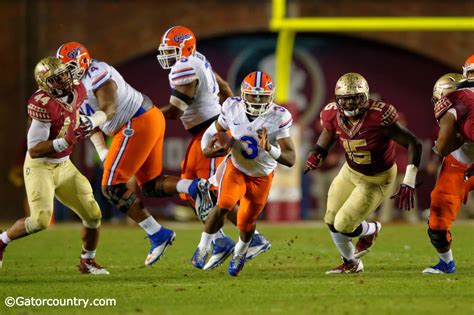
(236,264)
(199,191)
(199,258)
(159,243)
(365,243)
(258,245)
(348,266)
(222,248)
(89,266)
(2,250)
(441,268)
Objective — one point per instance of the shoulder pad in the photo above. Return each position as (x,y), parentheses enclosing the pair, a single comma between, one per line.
(329,111)
(97,74)
(37,107)
(183,72)
(377,106)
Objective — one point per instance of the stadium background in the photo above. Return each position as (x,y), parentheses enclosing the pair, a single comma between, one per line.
(401,67)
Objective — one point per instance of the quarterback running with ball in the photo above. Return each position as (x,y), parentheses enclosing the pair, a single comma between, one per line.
(261,133)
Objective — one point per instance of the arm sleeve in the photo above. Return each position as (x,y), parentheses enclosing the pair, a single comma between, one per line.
(206,137)
(39,131)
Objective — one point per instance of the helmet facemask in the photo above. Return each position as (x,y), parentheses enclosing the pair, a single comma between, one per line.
(352,105)
(60,83)
(168,55)
(76,70)
(257,101)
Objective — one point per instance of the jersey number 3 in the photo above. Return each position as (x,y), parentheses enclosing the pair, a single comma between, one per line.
(250,145)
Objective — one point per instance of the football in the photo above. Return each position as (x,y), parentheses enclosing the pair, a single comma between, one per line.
(222,140)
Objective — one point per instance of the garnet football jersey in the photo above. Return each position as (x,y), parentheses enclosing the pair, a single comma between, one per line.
(368,150)
(462,102)
(247,156)
(59,115)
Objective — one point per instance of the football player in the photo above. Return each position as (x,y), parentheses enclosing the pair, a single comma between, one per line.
(196,92)
(48,171)
(366,129)
(261,134)
(138,128)
(454,111)
(468,73)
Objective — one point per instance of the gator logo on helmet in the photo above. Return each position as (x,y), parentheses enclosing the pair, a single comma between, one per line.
(182,37)
(73,53)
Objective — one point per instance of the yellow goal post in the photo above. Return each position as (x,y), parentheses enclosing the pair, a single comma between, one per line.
(288,27)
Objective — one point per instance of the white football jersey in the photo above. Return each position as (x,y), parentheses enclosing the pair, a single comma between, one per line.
(206,100)
(246,155)
(129,100)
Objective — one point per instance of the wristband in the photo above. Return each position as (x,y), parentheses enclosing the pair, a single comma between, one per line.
(60,145)
(98,118)
(103,154)
(319,149)
(274,152)
(410,175)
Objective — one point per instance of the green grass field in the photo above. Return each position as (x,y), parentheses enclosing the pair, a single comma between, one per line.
(289,279)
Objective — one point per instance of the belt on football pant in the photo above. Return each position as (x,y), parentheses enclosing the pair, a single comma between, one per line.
(147,104)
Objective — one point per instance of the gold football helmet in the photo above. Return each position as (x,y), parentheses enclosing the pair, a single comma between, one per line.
(445,85)
(53,77)
(352,94)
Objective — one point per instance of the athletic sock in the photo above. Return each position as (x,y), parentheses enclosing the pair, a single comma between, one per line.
(150,225)
(368,228)
(344,245)
(446,257)
(183,186)
(87,254)
(256,232)
(220,234)
(206,240)
(241,247)
(4,238)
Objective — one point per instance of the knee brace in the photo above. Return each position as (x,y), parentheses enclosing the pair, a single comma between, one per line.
(155,187)
(120,196)
(439,238)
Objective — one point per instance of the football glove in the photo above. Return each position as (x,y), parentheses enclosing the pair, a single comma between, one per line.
(72,135)
(406,196)
(86,124)
(315,158)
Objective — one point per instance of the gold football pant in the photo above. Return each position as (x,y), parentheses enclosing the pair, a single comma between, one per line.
(353,196)
(45,180)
